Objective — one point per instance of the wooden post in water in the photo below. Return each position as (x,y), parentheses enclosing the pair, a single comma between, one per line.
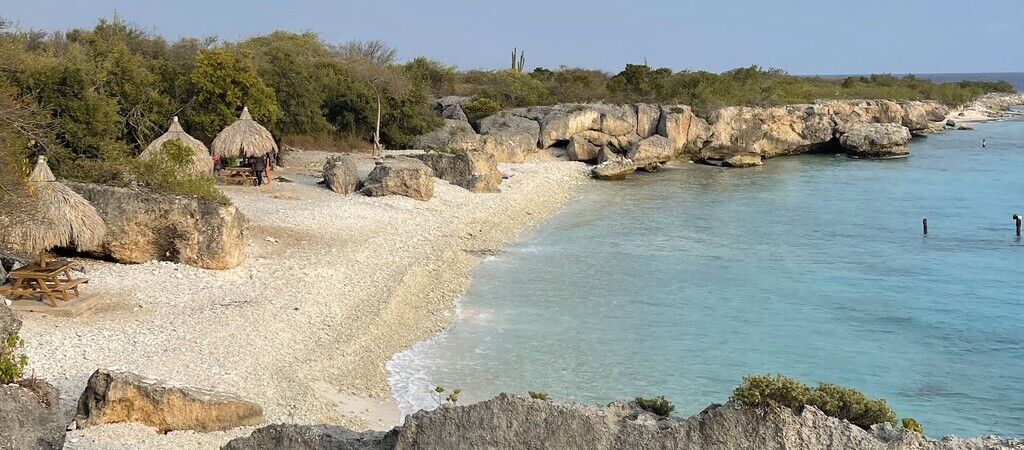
(924,224)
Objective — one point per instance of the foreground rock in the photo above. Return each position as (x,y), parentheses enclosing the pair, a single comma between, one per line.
(475,171)
(341,174)
(30,416)
(400,176)
(614,169)
(115,397)
(512,422)
(296,437)
(143,226)
(876,140)
(9,323)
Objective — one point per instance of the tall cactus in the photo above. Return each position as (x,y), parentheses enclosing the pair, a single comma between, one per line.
(518,65)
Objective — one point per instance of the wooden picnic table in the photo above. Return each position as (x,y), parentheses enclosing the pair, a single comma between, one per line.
(242,174)
(50,282)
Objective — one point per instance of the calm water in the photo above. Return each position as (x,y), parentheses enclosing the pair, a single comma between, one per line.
(682,282)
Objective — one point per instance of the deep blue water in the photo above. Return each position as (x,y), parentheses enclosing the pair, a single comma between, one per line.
(682,282)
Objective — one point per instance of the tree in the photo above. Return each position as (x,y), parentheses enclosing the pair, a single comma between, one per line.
(222,82)
(375,51)
(301,70)
(382,79)
(638,82)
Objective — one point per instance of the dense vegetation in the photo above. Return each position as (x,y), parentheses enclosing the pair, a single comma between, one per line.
(91,99)
(768,391)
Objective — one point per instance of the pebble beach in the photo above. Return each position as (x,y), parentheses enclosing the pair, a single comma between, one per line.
(332,287)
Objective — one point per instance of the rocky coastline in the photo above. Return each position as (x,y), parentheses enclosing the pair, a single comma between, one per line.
(515,422)
(623,138)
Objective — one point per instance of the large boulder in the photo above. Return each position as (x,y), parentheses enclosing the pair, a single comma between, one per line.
(613,169)
(30,416)
(876,140)
(915,116)
(616,120)
(315,437)
(685,131)
(651,153)
(648,118)
(565,121)
(509,137)
(454,134)
(116,397)
(770,131)
(455,112)
(400,176)
(144,226)
(475,171)
(580,149)
(341,174)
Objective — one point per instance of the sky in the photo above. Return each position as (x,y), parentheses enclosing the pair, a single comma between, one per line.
(819,37)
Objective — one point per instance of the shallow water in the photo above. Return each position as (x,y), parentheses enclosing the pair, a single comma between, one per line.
(682,282)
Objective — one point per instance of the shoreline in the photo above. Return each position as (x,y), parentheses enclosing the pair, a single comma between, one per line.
(380,274)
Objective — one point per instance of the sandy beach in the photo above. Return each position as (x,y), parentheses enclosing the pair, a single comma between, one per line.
(332,287)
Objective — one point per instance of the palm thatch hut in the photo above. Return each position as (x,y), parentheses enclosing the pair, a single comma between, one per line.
(61,218)
(245,138)
(201,161)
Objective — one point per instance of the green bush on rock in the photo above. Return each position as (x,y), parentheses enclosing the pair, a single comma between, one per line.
(912,425)
(657,405)
(767,391)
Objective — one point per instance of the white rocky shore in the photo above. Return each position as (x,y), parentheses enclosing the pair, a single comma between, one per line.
(332,287)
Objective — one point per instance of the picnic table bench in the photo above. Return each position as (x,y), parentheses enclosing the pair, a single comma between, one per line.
(242,175)
(51,282)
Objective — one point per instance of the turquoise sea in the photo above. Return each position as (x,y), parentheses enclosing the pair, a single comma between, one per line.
(681,282)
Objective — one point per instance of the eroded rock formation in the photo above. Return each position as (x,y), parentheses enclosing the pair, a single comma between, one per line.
(143,226)
(114,397)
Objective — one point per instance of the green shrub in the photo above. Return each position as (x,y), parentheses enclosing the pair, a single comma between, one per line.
(657,405)
(540,396)
(767,391)
(479,108)
(912,425)
(851,405)
(758,391)
(12,359)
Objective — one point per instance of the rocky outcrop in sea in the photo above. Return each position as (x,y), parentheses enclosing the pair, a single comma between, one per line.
(514,422)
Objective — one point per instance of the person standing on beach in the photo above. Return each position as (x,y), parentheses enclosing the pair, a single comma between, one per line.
(259,165)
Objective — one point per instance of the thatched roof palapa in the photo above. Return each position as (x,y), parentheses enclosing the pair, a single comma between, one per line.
(201,161)
(62,219)
(244,138)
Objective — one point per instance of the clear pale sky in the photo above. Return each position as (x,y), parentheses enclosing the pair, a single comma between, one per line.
(800,36)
